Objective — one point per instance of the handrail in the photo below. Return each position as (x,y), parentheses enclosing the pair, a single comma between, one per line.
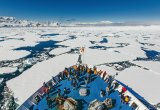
(148,105)
(29,102)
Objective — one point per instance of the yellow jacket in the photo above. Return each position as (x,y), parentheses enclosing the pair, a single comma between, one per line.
(95,71)
(126,99)
(75,67)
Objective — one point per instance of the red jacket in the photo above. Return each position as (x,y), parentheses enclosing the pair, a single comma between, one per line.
(124,89)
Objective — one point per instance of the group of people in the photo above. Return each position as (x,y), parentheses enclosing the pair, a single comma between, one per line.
(56,100)
(113,84)
(110,80)
(73,74)
(124,98)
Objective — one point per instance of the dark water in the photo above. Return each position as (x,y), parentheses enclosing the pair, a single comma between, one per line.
(40,46)
(49,35)
(99,47)
(148,44)
(93,42)
(72,37)
(104,40)
(35,51)
(1,40)
(120,45)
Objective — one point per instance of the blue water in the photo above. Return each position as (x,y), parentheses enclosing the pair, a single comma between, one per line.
(94,87)
(151,55)
(104,40)
(40,46)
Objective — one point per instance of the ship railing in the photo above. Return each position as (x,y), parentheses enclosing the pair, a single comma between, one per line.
(29,103)
(140,105)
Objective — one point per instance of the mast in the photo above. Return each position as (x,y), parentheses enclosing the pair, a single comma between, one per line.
(81,52)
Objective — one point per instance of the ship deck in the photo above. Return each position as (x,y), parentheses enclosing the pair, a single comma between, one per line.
(94,88)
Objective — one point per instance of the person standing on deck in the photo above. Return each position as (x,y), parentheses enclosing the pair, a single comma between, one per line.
(65,91)
(127,99)
(86,68)
(54,82)
(107,90)
(104,74)
(75,67)
(123,90)
(110,80)
(107,78)
(89,71)
(113,84)
(61,75)
(49,102)
(70,70)
(95,70)
(59,93)
(102,93)
(46,88)
(65,73)
(100,72)
(74,83)
(86,80)
(83,70)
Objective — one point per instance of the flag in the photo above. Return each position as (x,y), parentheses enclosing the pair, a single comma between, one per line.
(82,50)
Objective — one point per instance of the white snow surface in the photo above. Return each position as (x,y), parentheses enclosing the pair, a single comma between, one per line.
(6,70)
(59,51)
(32,79)
(144,82)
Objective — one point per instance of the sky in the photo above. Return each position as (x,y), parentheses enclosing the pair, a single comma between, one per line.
(82,10)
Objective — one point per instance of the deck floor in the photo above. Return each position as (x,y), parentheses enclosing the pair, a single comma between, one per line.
(94,87)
